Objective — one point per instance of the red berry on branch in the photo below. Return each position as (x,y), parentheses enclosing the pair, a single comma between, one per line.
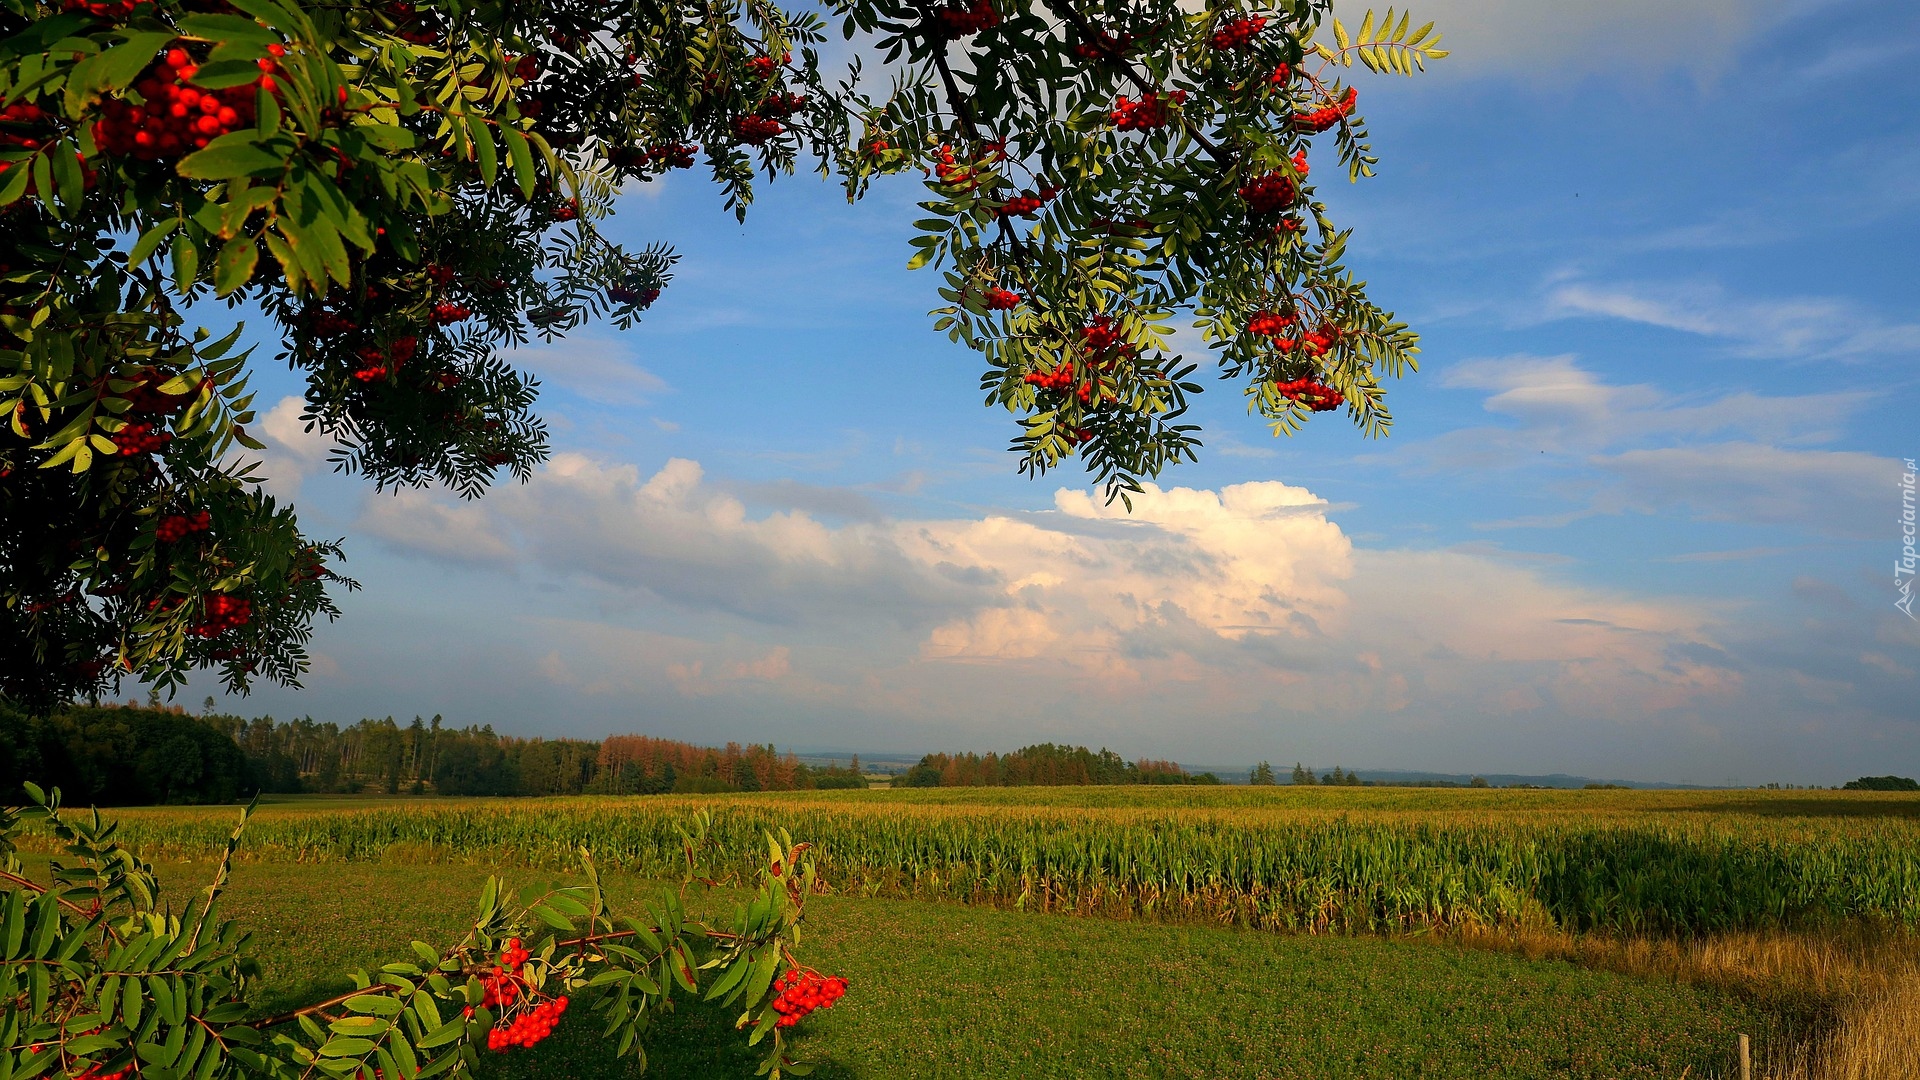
(1147,113)
(756,130)
(956,21)
(1268,193)
(1328,116)
(1237,33)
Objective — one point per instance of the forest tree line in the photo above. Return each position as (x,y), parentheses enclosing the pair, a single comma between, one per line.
(120,755)
(123,755)
(1044,763)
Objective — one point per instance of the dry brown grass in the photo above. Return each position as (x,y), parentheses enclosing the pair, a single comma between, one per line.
(1849,997)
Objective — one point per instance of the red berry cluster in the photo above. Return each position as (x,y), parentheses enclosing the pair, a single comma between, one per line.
(756,130)
(1027,205)
(956,21)
(1238,34)
(1269,324)
(332,324)
(1314,395)
(1101,336)
(671,155)
(145,396)
(529,1027)
(1314,343)
(781,106)
(177,118)
(1327,115)
(1001,300)
(502,985)
(1105,45)
(949,170)
(408,28)
(21,114)
(223,612)
(567,211)
(801,992)
(762,67)
(141,438)
(102,9)
(451,313)
(177,527)
(1101,339)
(1268,193)
(439,273)
(1059,379)
(1281,76)
(637,297)
(378,363)
(527,68)
(1275,190)
(1147,113)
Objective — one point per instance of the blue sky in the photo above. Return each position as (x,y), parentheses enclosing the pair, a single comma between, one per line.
(1638,516)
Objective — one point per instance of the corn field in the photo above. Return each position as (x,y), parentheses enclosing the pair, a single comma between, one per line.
(1668,863)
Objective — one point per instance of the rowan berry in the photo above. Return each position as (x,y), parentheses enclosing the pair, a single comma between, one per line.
(956,21)
(780,106)
(1027,205)
(221,612)
(1002,300)
(1273,191)
(1315,395)
(176,527)
(1101,338)
(1147,113)
(671,155)
(140,438)
(1104,45)
(102,9)
(1238,33)
(1269,324)
(174,117)
(799,992)
(626,294)
(1327,116)
(756,130)
(330,324)
(450,313)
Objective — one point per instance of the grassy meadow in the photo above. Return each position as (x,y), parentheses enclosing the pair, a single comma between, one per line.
(1435,933)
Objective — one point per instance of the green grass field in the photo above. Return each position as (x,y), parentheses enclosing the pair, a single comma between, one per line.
(953,918)
(945,990)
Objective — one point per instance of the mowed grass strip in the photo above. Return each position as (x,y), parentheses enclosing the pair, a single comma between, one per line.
(943,990)
(1393,860)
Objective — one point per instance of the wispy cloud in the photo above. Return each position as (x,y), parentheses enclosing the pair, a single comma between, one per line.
(1804,328)
(596,366)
